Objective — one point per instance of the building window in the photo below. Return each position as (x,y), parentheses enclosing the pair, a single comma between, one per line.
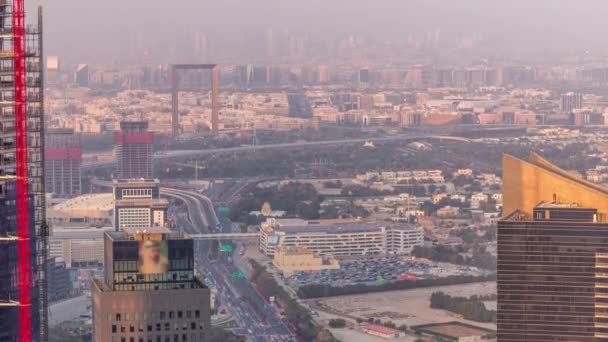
(113,328)
(162,315)
(197,314)
(118,317)
(179,314)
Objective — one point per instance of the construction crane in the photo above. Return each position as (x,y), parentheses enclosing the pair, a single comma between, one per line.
(195,167)
(24,267)
(165,154)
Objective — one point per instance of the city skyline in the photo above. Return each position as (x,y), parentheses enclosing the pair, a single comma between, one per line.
(280,171)
(136,24)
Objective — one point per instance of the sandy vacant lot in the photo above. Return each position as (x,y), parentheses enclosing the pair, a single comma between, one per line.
(411,307)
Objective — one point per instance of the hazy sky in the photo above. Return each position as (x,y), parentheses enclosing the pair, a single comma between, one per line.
(83,28)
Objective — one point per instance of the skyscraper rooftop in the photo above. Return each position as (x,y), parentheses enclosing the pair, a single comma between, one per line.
(528,183)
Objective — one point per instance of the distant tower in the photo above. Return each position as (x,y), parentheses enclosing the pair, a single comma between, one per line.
(82,75)
(175,94)
(133,150)
(62,164)
(364,76)
(152,286)
(572,101)
(255,141)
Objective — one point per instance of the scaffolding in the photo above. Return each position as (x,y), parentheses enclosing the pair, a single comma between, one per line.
(21,165)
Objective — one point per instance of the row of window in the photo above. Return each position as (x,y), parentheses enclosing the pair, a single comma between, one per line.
(194,337)
(155,286)
(137,193)
(133,265)
(157,327)
(136,277)
(161,315)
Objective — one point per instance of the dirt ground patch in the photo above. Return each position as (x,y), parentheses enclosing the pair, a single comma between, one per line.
(410,307)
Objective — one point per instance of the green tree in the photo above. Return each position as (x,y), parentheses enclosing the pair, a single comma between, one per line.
(337,323)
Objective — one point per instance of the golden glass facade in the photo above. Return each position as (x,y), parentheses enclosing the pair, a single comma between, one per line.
(552,255)
(527,183)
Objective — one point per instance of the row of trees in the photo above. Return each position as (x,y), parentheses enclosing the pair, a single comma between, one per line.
(296,314)
(337,323)
(470,237)
(325,290)
(388,324)
(297,199)
(471,308)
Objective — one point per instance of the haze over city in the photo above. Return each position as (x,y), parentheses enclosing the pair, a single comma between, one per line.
(530,29)
(303,171)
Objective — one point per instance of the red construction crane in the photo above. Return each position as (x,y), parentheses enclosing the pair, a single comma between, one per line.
(165,147)
(24,268)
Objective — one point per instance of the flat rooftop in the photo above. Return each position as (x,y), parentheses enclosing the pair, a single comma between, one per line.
(138,202)
(339,228)
(128,233)
(90,201)
(550,205)
(135,182)
(151,230)
(78,233)
(453,330)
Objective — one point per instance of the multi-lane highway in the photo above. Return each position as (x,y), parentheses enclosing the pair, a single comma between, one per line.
(194,153)
(256,318)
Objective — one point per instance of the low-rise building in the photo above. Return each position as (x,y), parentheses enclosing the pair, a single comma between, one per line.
(340,238)
(459,198)
(448,211)
(382,331)
(88,210)
(77,245)
(477,198)
(464,172)
(294,259)
(489,179)
(438,197)
(137,204)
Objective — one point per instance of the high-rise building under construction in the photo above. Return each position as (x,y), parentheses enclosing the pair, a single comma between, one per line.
(133,150)
(23,232)
(63,163)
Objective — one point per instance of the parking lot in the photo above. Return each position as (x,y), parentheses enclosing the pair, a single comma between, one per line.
(375,271)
